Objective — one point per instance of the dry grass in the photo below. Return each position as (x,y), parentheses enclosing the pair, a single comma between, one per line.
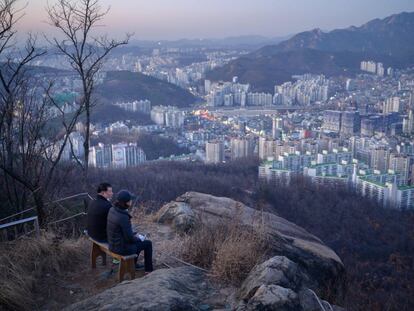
(229,249)
(25,262)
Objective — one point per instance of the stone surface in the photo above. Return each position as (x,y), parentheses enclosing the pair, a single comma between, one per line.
(323,266)
(162,290)
(179,214)
(309,301)
(272,297)
(278,270)
(300,265)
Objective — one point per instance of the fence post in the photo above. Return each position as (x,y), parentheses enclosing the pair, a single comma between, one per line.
(36,225)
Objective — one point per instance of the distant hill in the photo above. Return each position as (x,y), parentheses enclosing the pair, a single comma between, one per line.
(239,42)
(126,85)
(106,114)
(389,40)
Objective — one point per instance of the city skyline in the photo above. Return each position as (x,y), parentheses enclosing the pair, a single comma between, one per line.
(160,20)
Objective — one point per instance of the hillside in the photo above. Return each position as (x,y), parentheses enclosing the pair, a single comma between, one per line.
(126,85)
(266,71)
(389,36)
(296,263)
(376,245)
(388,40)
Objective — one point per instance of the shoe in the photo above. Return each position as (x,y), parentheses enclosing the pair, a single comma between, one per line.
(139,267)
(115,261)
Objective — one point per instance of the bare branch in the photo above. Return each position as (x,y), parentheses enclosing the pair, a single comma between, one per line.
(86,53)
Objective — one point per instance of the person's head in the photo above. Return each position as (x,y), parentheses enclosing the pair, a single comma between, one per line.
(105,190)
(124,199)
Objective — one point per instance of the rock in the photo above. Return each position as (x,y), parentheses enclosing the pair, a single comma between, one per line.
(324,269)
(162,290)
(272,297)
(278,270)
(309,301)
(179,214)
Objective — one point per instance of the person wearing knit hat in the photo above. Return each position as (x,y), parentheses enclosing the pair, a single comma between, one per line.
(121,239)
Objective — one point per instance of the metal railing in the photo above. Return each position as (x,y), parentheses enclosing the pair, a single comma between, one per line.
(14,229)
(48,203)
(20,228)
(17,214)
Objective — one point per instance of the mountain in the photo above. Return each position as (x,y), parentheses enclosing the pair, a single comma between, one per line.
(126,85)
(391,36)
(389,40)
(241,42)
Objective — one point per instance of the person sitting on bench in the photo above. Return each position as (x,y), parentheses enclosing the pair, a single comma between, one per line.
(121,239)
(98,213)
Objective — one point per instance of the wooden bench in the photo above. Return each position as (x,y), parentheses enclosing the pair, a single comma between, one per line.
(127,263)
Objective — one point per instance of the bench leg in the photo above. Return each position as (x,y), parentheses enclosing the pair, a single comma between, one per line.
(131,268)
(94,254)
(126,266)
(121,270)
(103,254)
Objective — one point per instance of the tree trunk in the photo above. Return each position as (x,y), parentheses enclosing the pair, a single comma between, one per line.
(86,145)
(40,208)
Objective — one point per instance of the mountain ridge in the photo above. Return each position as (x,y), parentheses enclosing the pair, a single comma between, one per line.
(388,40)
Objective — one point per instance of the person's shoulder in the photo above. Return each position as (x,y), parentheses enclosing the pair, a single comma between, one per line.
(92,204)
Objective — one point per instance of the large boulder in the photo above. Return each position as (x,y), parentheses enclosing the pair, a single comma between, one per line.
(323,268)
(177,214)
(272,297)
(279,284)
(278,270)
(164,289)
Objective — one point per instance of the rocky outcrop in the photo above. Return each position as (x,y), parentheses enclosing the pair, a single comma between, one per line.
(278,270)
(164,289)
(279,284)
(324,269)
(179,214)
(295,277)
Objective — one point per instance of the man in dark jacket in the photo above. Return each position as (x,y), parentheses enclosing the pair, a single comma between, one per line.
(121,239)
(98,213)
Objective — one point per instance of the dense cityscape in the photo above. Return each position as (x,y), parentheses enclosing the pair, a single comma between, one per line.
(350,131)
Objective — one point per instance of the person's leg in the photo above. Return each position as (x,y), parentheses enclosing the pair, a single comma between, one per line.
(146,246)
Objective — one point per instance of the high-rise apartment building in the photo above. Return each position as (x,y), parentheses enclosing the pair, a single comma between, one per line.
(380,159)
(267,148)
(332,121)
(350,123)
(120,155)
(241,148)
(214,152)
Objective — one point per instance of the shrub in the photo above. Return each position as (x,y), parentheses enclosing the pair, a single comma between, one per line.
(26,261)
(229,249)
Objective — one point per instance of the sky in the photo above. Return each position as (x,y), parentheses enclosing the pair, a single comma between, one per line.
(177,19)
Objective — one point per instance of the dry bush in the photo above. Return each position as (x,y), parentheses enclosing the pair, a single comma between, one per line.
(229,249)
(241,250)
(26,261)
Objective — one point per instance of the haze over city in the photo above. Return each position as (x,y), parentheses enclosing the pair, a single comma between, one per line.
(170,20)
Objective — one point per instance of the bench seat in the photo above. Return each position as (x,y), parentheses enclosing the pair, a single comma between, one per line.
(127,263)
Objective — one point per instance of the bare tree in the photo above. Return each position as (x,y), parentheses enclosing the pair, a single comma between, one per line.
(29,153)
(76,21)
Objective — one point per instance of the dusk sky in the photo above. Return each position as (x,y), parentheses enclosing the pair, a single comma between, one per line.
(174,19)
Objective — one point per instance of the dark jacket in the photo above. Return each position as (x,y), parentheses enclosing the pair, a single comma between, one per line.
(97,218)
(121,238)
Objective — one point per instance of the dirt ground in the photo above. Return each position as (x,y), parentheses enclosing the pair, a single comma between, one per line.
(55,293)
